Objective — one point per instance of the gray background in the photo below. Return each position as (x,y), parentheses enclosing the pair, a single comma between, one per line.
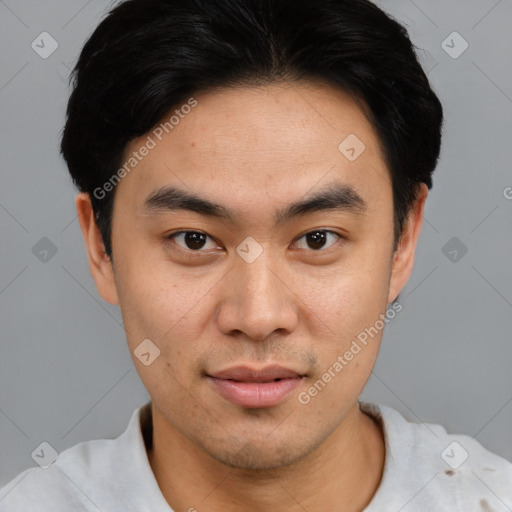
(65,372)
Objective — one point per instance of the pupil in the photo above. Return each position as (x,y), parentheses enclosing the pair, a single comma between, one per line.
(195,240)
(317,239)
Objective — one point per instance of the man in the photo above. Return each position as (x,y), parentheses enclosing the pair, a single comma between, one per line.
(252,176)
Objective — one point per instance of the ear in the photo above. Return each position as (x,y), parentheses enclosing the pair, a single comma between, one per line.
(403,259)
(100,265)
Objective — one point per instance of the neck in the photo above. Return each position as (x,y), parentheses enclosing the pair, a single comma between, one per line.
(343,473)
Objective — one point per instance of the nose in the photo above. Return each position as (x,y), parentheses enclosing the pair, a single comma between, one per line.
(257,300)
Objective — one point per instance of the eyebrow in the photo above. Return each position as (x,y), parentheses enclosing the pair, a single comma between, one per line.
(334,197)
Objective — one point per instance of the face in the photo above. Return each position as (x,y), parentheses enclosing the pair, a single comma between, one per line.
(257,281)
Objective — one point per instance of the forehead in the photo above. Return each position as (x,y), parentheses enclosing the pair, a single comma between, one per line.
(260,144)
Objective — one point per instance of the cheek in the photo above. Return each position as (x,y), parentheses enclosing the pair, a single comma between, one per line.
(348,304)
(167,306)
(349,296)
(351,312)
(170,313)
(351,309)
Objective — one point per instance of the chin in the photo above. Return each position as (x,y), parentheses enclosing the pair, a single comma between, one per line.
(259,455)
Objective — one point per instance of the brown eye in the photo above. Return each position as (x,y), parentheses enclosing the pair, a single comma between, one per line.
(319,239)
(192,240)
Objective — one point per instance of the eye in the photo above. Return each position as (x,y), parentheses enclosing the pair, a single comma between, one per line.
(192,240)
(319,239)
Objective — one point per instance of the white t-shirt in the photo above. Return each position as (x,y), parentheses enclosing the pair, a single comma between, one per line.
(426,469)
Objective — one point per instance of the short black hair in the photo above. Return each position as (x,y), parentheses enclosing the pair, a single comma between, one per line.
(149,56)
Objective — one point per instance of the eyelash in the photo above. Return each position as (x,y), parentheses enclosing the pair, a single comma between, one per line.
(174,235)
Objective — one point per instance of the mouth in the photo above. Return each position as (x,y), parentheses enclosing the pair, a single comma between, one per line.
(252,388)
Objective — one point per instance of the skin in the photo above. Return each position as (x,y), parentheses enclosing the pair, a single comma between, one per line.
(255,150)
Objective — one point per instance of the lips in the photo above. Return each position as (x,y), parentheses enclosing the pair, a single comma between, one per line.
(255,388)
(245,374)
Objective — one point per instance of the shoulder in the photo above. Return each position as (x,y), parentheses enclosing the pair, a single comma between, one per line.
(428,465)
(61,486)
(86,476)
